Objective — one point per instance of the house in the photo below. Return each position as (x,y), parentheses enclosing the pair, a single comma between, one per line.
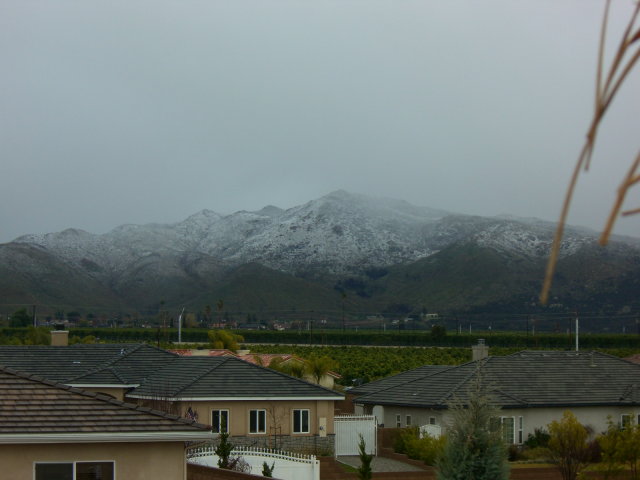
(256,405)
(53,431)
(532,388)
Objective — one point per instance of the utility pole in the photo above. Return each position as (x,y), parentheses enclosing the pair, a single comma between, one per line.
(180,325)
(344,325)
(577,332)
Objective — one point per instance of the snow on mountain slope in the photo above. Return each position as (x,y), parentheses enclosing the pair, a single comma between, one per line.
(338,233)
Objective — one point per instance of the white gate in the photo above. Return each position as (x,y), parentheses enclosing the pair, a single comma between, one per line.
(348,429)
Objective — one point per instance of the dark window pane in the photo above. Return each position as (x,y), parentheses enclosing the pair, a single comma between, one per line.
(94,471)
(54,471)
(224,421)
(296,421)
(215,421)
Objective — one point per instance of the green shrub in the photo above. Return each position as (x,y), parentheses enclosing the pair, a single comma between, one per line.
(540,438)
(426,449)
(541,454)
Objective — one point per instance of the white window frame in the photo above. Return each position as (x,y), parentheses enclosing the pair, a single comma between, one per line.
(520,432)
(503,432)
(626,420)
(398,420)
(408,420)
(259,412)
(299,412)
(74,463)
(217,428)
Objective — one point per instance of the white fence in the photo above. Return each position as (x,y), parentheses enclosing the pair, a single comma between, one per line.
(432,430)
(288,466)
(348,429)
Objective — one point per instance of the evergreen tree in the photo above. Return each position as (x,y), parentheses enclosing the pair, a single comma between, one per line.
(364,470)
(267,471)
(474,449)
(223,451)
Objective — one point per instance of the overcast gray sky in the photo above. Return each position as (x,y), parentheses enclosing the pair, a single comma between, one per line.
(130,111)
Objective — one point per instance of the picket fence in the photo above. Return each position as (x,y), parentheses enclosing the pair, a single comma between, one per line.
(288,465)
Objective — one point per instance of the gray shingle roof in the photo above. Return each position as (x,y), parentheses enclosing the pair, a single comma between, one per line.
(124,364)
(400,378)
(525,379)
(226,377)
(32,405)
(160,374)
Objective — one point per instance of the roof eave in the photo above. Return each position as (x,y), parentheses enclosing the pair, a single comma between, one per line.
(250,398)
(104,437)
(102,385)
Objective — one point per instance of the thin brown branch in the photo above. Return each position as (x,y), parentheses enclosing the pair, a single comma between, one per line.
(605,93)
(617,206)
(603,34)
(627,213)
(557,239)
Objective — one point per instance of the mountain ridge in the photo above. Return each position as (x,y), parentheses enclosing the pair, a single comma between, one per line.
(327,241)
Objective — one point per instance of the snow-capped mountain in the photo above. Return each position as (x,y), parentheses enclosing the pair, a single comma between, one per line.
(336,235)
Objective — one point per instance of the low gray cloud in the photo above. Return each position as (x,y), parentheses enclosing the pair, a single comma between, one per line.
(134,112)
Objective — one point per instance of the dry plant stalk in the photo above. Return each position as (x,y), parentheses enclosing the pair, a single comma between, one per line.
(623,63)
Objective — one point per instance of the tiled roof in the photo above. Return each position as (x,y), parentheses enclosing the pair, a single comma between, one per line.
(524,379)
(32,406)
(158,372)
(225,377)
(124,364)
(395,380)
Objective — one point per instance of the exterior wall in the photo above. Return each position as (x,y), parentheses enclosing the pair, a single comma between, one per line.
(419,416)
(279,423)
(279,415)
(142,461)
(594,417)
(307,444)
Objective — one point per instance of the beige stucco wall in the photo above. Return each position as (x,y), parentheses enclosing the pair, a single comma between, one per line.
(139,461)
(278,413)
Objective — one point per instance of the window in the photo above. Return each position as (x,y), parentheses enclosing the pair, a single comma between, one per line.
(408,421)
(508,429)
(625,420)
(301,421)
(398,421)
(75,471)
(220,421)
(520,435)
(257,421)
(432,420)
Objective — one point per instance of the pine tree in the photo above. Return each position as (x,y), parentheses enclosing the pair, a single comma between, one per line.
(474,448)
(223,451)
(364,470)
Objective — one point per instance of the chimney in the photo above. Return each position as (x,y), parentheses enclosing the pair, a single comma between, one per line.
(59,338)
(479,351)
